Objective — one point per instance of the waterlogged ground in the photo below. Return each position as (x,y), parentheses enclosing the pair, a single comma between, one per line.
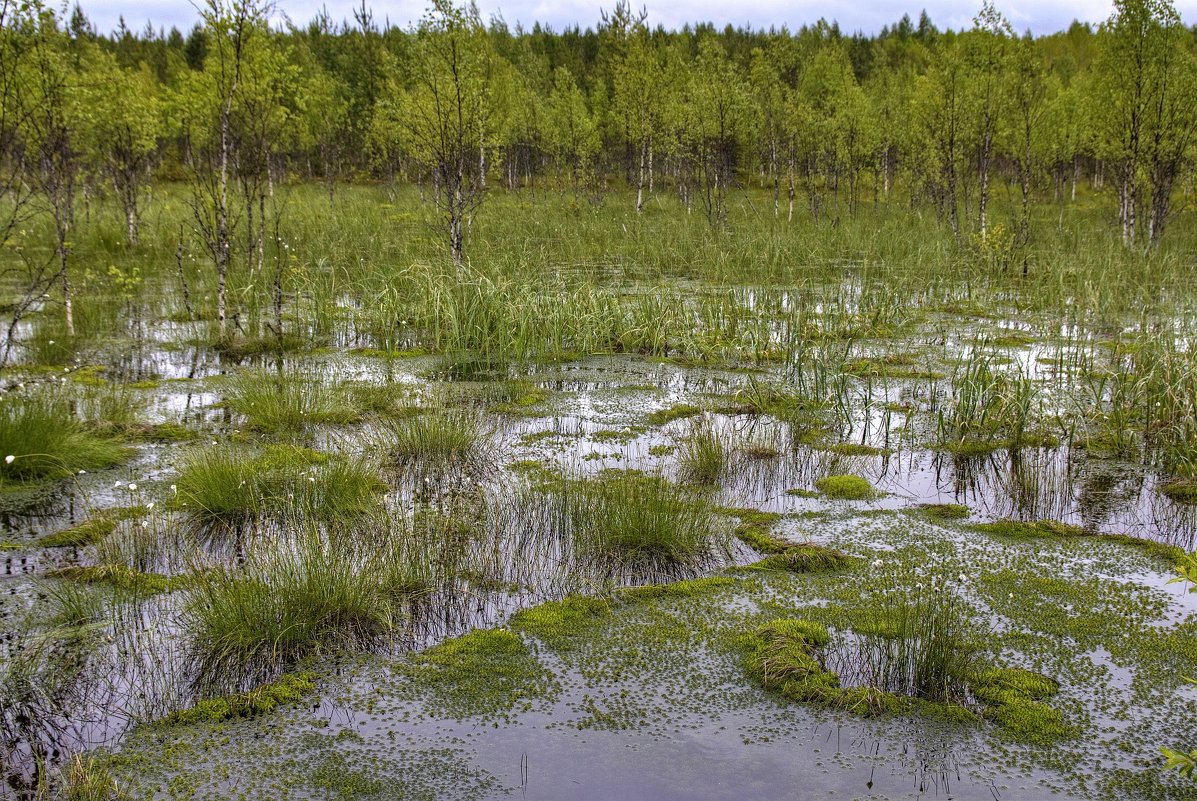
(648,697)
(647,694)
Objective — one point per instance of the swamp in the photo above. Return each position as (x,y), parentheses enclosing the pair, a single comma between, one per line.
(357,444)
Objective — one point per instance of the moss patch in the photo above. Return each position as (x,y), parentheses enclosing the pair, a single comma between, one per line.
(848,488)
(944,511)
(484,673)
(679,411)
(1180,490)
(288,689)
(92,530)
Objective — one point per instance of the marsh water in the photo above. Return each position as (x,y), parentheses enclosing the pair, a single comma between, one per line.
(586,416)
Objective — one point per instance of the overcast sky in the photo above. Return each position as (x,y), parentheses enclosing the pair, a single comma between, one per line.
(1040,16)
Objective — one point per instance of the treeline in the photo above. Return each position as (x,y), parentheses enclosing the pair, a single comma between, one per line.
(822,120)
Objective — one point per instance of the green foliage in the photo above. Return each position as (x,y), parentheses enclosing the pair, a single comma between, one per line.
(678,411)
(228,486)
(312,595)
(485,672)
(438,439)
(45,440)
(1013,697)
(289,688)
(851,488)
(641,523)
(805,558)
(287,403)
(557,622)
(703,455)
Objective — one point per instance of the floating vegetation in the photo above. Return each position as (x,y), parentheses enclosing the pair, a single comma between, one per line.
(847,488)
(289,688)
(1013,699)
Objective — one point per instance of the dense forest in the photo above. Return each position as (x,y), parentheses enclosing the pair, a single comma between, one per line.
(822,119)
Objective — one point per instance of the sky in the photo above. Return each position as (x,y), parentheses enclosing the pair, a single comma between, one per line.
(1038,16)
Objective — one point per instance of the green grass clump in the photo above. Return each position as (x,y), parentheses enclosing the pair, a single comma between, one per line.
(703,456)
(92,530)
(289,688)
(849,488)
(805,558)
(45,440)
(118,576)
(289,601)
(944,511)
(1013,699)
(484,672)
(226,486)
(1180,490)
(287,404)
(439,439)
(679,411)
(643,523)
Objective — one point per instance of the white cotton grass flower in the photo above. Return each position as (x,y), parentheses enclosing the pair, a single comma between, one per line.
(877,565)
(9,459)
(132,487)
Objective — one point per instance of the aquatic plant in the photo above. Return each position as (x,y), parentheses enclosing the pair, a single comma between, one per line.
(914,636)
(224,487)
(40,438)
(643,523)
(704,455)
(306,595)
(286,689)
(287,403)
(438,439)
(851,488)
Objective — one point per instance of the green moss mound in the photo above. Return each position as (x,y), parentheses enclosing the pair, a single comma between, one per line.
(92,530)
(556,622)
(1013,699)
(944,511)
(805,558)
(678,411)
(847,488)
(1180,490)
(288,689)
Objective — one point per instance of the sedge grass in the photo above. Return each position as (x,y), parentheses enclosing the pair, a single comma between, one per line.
(45,440)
